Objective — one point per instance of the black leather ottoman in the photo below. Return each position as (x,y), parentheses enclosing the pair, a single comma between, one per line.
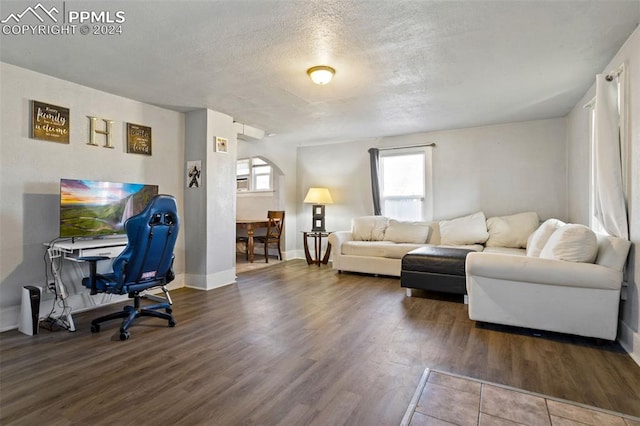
(435,269)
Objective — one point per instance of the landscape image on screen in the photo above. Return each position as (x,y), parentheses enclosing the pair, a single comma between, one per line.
(93,208)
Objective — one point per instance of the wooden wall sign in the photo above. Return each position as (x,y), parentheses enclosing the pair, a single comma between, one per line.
(138,139)
(49,122)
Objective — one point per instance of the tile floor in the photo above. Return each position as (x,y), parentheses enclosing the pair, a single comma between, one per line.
(446,399)
(243,265)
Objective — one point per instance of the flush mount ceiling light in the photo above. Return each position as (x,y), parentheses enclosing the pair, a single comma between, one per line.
(321,74)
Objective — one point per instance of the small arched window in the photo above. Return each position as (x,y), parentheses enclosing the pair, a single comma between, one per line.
(254,175)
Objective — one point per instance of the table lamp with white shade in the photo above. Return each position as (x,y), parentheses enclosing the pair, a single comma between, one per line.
(318,197)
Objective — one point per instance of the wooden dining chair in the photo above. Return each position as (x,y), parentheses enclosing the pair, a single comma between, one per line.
(274,232)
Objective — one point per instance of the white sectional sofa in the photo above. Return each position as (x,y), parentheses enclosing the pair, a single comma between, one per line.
(554,276)
(376,244)
(570,285)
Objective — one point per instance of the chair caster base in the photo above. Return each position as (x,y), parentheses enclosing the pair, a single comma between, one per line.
(124,335)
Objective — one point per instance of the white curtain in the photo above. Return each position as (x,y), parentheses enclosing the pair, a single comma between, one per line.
(610,207)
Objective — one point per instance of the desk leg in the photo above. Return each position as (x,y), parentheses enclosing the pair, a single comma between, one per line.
(250,244)
(70,323)
(307,255)
(61,289)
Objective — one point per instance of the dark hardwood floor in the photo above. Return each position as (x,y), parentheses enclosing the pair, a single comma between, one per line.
(291,344)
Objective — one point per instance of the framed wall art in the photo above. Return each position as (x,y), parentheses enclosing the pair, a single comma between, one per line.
(49,122)
(194,170)
(138,139)
(220,144)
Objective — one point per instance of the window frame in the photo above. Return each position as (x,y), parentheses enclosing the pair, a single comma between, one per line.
(249,181)
(426,198)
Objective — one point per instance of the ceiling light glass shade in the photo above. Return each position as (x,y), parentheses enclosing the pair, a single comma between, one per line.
(318,196)
(321,74)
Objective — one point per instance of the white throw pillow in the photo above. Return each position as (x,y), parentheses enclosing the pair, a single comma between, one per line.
(407,232)
(511,231)
(369,228)
(573,243)
(539,238)
(464,230)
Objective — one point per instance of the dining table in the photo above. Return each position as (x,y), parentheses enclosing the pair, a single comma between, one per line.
(251,225)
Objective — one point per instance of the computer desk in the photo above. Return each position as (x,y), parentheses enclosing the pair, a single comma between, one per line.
(75,249)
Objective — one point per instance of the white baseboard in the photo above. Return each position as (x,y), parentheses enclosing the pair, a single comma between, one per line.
(293,254)
(9,318)
(630,341)
(211,281)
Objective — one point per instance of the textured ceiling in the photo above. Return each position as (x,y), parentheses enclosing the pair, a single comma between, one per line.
(402,66)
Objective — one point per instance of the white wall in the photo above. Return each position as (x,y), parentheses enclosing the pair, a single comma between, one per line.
(578,143)
(210,210)
(255,205)
(498,169)
(30,170)
(221,201)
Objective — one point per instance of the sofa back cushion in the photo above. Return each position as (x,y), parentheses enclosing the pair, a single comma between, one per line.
(539,238)
(612,251)
(511,231)
(572,243)
(434,235)
(464,230)
(369,228)
(407,232)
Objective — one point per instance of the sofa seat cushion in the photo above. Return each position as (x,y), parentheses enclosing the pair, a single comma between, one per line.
(439,260)
(366,248)
(474,247)
(396,251)
(505,250)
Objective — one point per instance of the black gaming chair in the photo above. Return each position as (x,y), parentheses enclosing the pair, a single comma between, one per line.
(146,262)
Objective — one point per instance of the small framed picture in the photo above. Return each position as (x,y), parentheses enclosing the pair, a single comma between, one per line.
(194,170)
(138,139)
(220,144)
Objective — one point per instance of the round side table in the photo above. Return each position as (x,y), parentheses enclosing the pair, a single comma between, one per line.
(317,245)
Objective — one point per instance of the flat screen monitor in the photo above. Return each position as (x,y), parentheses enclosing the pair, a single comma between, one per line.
(90,208)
